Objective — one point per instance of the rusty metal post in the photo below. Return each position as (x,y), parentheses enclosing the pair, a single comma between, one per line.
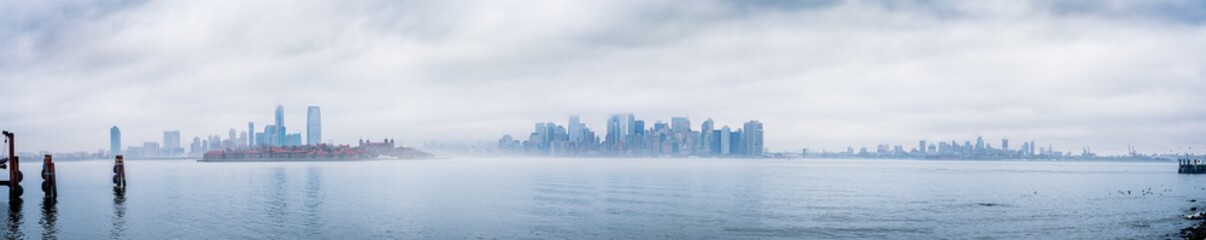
(49,185)
(119,172)
(14,168)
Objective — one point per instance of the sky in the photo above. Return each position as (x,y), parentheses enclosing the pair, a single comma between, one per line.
(818,74)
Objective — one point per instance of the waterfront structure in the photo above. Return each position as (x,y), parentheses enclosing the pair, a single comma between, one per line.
(114,141)
(313,126)
(386,149)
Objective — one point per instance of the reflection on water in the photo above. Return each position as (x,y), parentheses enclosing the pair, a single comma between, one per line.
(49,216)
(277,202)
(119,213)
(313,220)
(615,199)
(14,216)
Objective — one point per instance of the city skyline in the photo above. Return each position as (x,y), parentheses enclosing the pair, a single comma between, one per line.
(825,74)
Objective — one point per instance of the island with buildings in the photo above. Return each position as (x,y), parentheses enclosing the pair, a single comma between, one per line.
(628,136)
(273,143)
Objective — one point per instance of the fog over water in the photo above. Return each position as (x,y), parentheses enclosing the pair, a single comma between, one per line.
(553,198)
(819,74)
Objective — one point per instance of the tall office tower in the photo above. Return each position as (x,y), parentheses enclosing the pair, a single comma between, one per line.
(574,129)
(540,133)
(979,144)
(921,146)
(270,138)
(628,129)
(680,124)
(242,142)
(1004,144)
(251,134)
(313,126)
(280,125)
(705,136)
(231,136)
(615,131)
(1032,148)
(753,138)
(680,128)
(195,147)
(114,141)
(171,142)
(725,138)
(737,143)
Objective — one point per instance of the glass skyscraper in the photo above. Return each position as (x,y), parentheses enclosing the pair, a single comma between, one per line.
(114,141)
(313,126)
(279,136)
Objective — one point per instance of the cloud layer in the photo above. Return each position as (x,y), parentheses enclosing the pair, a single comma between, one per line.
(819,74)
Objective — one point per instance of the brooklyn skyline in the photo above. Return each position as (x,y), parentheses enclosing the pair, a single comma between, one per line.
(825,74)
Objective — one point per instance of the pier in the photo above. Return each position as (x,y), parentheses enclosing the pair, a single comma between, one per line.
(1188,166)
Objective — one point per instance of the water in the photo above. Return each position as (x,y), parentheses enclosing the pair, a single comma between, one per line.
(609,199)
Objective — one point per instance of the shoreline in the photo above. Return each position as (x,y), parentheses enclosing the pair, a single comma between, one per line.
(314,160)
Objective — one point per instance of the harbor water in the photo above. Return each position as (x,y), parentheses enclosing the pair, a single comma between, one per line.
(597,198)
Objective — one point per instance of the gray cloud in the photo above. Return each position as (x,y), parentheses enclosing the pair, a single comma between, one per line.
(820,74)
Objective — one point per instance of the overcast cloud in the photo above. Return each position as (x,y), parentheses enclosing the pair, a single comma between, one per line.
(819,74)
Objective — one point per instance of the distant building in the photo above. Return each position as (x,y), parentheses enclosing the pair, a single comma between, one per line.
(251,135)
(171,143)
(114,141)
(313,126)
(280,126)
(725,140)
(753,139)
(979,144)
(196,147)
(615,131)
(575,129)
(150,149)
(293,139)
(704,145)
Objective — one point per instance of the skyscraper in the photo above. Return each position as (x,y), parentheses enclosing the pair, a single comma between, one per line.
(574,129)
(1004,144)
(171,143)
(921,146)
(280,126)
(628,129)
(979,144)
(114,141)
(725,137)
(705,136)
(251,134)
(313,126)
(615,132)
(753,139)
(680,124)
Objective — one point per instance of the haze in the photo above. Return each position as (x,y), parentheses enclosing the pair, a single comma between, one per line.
(818,74)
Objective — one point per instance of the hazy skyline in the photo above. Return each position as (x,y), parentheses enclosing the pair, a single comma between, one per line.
(818,74)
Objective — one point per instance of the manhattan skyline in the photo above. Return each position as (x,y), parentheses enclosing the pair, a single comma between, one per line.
(825,75)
